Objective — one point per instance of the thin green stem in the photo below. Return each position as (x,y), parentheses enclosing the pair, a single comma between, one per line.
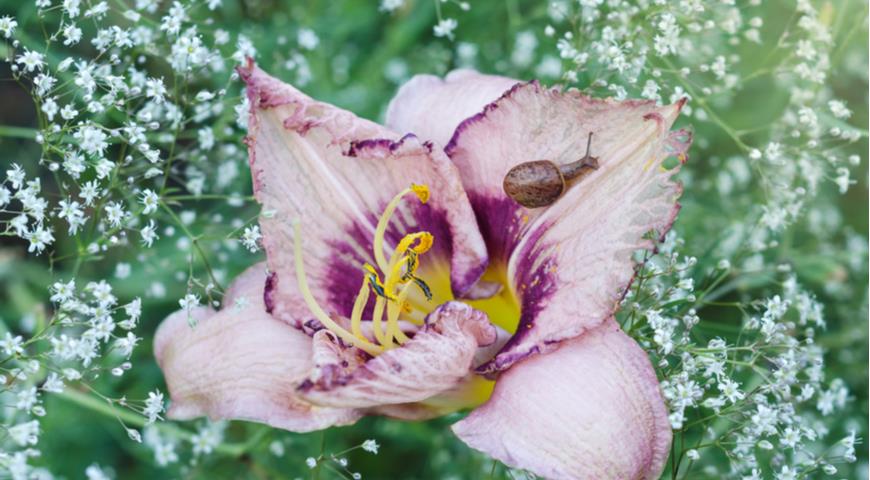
(107,408)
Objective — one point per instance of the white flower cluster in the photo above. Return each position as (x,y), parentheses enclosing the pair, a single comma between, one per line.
(766,390)
(106,123)
(89,333)
(134,120)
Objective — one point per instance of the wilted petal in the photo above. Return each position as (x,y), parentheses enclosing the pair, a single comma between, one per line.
(335,173)
(569,263)
(435,360)
(432,108)
(240,363)
(591,409)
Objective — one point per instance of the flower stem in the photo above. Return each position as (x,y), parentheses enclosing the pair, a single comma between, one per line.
(10,131)
(127,417)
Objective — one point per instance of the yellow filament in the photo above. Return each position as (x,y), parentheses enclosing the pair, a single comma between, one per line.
(358,306)
(377,314)
(422,192)
(318,312)
(393,311)
(404,256)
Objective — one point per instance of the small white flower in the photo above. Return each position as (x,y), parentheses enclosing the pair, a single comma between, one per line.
(25,433)
(153,406)
(445,28)
(7,26)
(155,89)
(839,109)
(189,302)
(95,472)
(114,213)
(89,191)
(53,383)
(370,446)
(149,234)
(150,201)
(125,345)
(72,35)
(92,140)
(205,135)
(251,237)
(12,345)
(391,5)
(30,60)
(39,238)
(307,39)
(61,292)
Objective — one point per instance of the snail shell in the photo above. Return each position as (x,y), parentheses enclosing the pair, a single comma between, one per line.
(540,183)
(534,184)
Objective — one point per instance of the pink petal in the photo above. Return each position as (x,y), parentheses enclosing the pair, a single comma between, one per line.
(240,363)
(435,360)
(590,409)
(336,172)
(568,263)
(432,108)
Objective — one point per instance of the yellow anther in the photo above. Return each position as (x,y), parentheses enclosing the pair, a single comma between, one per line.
(422,192)
(425,243)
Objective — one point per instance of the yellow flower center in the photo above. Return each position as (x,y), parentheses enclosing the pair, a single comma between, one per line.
(400,278)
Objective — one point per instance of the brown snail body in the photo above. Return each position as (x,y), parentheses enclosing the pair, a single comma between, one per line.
(540,183)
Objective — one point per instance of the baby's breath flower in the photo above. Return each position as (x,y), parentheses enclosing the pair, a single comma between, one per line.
(251,238)
(445,28)
(12,345)
(153,406)
(7,26)
(370,446)
(31,60)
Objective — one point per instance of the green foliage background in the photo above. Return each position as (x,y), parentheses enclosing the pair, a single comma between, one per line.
(80,431)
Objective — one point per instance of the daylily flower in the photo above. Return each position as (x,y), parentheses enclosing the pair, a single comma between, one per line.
(401,280)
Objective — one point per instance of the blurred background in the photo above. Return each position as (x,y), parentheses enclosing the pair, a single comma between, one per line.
(355,54)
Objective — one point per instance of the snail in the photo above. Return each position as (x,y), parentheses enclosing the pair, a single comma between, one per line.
(540,183)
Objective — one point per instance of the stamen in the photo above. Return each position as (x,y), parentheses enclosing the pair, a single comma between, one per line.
(375,282)
(359,305)
(318,312)
(395,276)
(422,192)
(377,315)
(391,293)
(393,310)
(423,287)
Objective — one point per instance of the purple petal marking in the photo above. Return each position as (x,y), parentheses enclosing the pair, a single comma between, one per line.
(358,147)
(269,291)
(345,272)
(535,284)
(451,145)
(500,222)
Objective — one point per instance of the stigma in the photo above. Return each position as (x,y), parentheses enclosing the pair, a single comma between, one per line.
(391,280)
